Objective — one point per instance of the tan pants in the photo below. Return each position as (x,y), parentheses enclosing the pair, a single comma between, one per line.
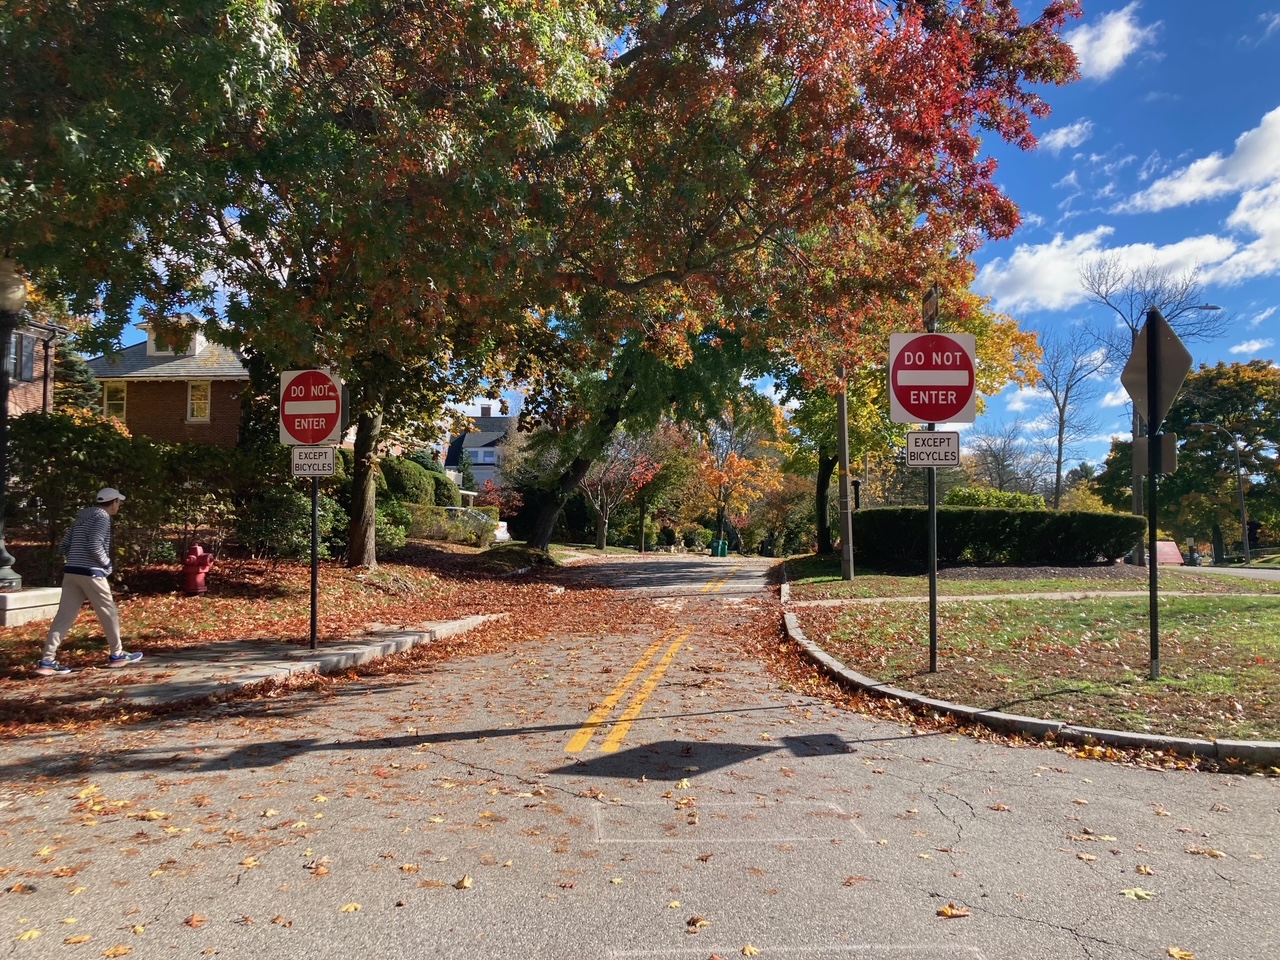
(76,589)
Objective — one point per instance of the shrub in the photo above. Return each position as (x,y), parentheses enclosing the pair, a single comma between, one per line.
(989,497)
(390,526)
(407,481)
(898,536)
(428,460)
(276,521)
(447,493)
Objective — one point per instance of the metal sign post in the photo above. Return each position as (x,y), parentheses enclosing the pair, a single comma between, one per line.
(314,462)
(932,379)
(1153,376)
(311,412)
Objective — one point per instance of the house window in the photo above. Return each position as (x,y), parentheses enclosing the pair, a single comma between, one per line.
(198,401)
(113,394)
(22,358)
(159,343)
(486,456)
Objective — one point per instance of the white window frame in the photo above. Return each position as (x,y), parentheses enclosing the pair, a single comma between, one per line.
(159,347)
(192,400)
(107,387)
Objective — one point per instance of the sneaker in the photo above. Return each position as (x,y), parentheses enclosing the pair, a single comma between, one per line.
(124,660)
(51,668)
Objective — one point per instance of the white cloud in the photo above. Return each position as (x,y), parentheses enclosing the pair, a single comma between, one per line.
(1103,47)
(1254,163)
(1046,276)
(1258,212)
(1265,314)
(1069,182)
(1115,398)
(1270,23)
(1252,346)
(1025,398)
(1152,166)
(1072,135)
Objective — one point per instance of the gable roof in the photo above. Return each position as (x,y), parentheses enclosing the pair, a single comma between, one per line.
(213,362)
(485,432)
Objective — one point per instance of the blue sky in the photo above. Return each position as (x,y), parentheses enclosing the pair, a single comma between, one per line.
(1167,150)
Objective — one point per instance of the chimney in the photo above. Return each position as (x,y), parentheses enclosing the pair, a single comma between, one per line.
(486,411)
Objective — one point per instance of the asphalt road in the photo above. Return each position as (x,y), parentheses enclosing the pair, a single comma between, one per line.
(632,786)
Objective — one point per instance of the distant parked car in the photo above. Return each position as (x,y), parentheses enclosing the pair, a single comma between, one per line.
(480,520)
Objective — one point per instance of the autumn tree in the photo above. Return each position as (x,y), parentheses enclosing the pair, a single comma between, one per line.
(116,120)
(622,470)
(739,460)
(418,195)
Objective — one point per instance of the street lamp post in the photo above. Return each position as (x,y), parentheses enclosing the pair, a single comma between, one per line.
(13,295)
(1244,516)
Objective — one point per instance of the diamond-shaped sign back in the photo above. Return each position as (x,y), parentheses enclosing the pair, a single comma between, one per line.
(1172,364)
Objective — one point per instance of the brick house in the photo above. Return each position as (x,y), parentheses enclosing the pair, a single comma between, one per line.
(168,391)
(31,366)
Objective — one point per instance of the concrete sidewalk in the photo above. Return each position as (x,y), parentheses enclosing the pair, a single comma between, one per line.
(211,670)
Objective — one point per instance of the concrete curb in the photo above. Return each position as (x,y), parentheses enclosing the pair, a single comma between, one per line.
(1261,752)
(197,678)
(356,653)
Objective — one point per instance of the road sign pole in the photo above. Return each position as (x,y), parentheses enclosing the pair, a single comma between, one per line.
(846,518)
(315,555)
(1153,468)
(933,566)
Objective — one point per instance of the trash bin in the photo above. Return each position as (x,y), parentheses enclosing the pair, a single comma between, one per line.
(719,548)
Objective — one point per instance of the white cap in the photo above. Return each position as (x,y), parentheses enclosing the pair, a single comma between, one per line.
(108,494)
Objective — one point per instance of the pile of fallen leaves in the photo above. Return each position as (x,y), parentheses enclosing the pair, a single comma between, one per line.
(251,599)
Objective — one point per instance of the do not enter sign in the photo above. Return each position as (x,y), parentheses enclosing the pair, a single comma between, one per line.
(931,378)
(310,407)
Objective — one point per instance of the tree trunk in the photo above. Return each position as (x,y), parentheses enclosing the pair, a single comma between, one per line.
(545,525)
(1057,464)
(362,549)
(822,493)
(1219,547)
(602,532)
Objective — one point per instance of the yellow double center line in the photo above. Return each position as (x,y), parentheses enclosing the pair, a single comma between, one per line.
(715,586)
(623,723)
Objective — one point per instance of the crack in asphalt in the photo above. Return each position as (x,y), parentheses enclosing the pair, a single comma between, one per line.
(1083,940)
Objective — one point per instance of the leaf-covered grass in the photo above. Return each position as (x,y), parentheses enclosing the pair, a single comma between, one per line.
(271,600)
(1085,662)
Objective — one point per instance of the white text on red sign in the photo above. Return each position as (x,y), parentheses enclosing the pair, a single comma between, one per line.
(306,402)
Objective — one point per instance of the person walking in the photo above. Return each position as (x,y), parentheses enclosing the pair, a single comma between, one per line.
(87,547)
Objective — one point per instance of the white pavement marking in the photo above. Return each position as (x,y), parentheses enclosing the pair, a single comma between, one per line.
(661,821)
(865,951)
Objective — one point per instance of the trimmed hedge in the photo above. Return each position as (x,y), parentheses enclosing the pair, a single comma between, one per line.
(899,536)
(407,481)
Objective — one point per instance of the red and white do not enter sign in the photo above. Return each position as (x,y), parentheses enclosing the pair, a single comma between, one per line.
(310,407)
(931,378)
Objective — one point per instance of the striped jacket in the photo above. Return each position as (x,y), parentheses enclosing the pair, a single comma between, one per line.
(87,544)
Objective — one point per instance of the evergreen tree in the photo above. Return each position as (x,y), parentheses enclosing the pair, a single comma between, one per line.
(465,472)
(74,385)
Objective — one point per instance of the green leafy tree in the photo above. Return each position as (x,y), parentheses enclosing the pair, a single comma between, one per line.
(1201,499)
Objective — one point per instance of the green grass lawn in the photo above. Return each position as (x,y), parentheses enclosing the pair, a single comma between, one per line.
(1081,660)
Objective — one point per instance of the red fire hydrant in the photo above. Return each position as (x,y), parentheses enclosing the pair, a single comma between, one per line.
(194,569)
